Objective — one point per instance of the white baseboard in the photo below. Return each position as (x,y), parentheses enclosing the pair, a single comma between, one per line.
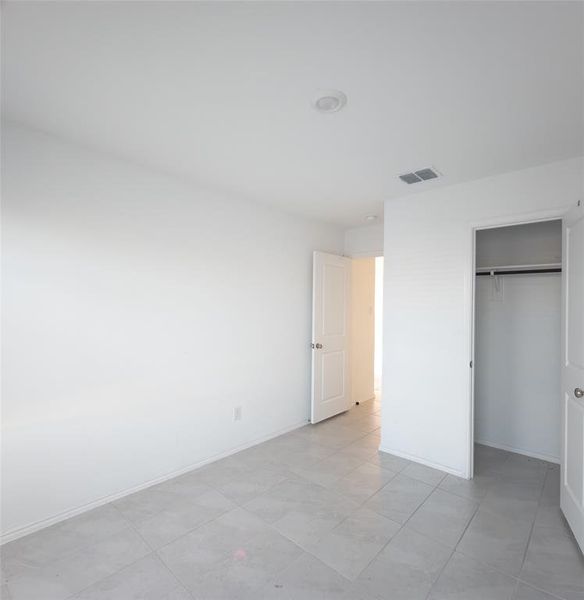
(422,461)
(547,457)
(14,534)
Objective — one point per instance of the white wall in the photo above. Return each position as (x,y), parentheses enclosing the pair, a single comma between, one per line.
(517,364)
(428,300)
(138,312)
(362,328)
(364,241)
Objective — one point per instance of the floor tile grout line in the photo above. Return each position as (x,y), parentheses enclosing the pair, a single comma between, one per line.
(428,537)
(516,577)
(487,564)
(382,548)
(533,523)
(551,594)
(133,526)
(362,506)
(421,503)
(153,552)
(197,526)
(364,462)
(269,525)
(69,553)
(306,551)
(402,526)
(516,589)
(299,557)
(439,574)
(340,449)
(129,526)
(423,535)
(395,474)
(455,548)
(476,510)
(457,551)
(180,583)
(454,551)
(491,567)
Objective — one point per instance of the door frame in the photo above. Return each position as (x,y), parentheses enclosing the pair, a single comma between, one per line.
(492,223)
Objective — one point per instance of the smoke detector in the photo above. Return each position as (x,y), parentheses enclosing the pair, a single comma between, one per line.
(329,101)
(421,175)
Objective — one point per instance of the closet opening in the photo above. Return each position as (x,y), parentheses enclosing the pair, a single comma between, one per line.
(517,337)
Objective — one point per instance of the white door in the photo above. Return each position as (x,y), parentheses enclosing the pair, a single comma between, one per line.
(330,333)
(572,487)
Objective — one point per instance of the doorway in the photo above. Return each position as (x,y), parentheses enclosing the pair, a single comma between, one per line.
(366,329)
(528,256)
(517,340)
(346,334)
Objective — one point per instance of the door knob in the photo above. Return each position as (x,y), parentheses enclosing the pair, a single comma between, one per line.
(578,392)
(319,346)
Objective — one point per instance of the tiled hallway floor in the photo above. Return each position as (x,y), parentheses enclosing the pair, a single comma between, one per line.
(315,514)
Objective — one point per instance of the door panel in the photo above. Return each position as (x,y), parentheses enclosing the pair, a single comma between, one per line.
(333,376)
(572,480)
(334,301)
(574,477)
(330,326)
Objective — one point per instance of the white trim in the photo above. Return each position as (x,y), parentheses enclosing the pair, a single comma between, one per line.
(547,457)
(422,461)
(14,534)
(365,254)
(521,218)
(469,292)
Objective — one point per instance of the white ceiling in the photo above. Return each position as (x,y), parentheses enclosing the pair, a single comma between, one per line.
(221,92)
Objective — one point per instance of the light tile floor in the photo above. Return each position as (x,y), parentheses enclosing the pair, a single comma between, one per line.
(317,513)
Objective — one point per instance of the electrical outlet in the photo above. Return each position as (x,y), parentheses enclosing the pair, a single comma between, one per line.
(237,413)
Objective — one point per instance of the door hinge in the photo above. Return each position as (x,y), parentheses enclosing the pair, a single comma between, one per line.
(470,364)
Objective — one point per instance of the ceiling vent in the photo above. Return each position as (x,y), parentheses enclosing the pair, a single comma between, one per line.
(421,175)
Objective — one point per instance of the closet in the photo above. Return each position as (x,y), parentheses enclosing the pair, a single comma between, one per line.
(517,338)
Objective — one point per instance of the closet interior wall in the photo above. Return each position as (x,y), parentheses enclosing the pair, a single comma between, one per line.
(517,340)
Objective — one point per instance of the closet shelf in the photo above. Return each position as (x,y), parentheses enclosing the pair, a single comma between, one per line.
(520,269)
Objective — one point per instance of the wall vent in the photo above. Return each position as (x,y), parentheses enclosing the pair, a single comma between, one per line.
(418,176)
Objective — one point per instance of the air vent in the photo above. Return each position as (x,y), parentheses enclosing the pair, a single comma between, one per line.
(418,176)
(410,178)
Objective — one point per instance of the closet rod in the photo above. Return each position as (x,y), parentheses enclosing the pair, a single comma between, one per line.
(518,272)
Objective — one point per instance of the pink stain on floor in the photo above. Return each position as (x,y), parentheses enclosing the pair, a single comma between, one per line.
(240,554)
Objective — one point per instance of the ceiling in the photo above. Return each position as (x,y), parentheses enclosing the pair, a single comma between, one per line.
(221,92)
